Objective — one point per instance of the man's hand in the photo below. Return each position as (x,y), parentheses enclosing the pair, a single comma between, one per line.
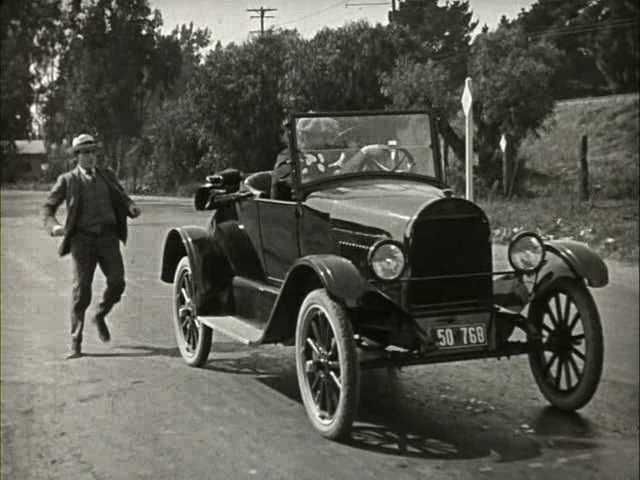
(57,231)
(134,211)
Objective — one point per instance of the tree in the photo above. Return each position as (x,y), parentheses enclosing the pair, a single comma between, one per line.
(436,32)
(615,45)
(28,36)
(169,149)
(237,97)
(108,72)
(600,41)
(350,60)
(513,93)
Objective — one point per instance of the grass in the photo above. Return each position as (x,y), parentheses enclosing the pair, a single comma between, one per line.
(609,227)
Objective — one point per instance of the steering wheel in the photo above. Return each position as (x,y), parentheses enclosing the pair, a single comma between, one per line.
(385,158)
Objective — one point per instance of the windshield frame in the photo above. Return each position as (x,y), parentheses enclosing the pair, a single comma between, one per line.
(301,189)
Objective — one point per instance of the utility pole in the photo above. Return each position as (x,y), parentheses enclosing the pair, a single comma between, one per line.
(262,16)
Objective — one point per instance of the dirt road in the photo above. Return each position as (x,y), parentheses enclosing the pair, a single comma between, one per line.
(132,409)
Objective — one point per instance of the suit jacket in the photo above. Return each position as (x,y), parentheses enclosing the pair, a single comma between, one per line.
(281,177)
(68,188)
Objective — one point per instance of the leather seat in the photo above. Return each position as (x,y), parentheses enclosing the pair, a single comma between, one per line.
(259,184)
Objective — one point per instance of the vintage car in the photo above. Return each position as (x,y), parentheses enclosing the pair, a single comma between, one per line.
(372,261)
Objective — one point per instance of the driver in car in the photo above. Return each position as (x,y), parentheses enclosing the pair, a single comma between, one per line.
(316,139)
(323,152)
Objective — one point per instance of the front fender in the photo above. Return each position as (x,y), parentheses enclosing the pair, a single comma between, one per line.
(566,258)
(337,275)
(210,269)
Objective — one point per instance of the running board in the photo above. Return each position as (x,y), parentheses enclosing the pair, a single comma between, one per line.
(238,329)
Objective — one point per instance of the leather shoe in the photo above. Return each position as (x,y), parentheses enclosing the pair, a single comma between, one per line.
(103,330)
(75,352)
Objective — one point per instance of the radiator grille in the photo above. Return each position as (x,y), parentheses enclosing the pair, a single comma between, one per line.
(446,247)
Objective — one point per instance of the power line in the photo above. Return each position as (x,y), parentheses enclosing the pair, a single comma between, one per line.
(262,16)
(444,57)
(577,29)
(366,4)
(312,14)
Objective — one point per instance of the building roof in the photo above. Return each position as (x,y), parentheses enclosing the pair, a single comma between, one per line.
(30,147)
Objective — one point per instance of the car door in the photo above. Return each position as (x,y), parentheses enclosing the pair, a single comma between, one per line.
(279,233)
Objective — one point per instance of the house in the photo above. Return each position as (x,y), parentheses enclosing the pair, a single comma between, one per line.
(25,161)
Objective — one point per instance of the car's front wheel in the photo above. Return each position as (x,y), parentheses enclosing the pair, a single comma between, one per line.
(327,365)
(192,336)
(568,365)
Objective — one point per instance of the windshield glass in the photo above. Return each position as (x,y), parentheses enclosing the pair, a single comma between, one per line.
(330,146)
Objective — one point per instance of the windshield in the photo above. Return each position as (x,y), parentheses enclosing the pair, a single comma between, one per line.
(330,146)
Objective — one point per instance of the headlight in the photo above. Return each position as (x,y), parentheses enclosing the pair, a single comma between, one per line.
(526,252)
(386,260)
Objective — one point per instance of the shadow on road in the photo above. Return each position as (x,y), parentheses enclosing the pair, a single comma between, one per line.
(397,417)
(138,351)
(240,360)
(553,421)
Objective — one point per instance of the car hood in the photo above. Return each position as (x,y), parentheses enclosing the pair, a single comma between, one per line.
(381,204)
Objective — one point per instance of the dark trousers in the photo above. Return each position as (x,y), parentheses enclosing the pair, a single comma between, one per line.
(87,251)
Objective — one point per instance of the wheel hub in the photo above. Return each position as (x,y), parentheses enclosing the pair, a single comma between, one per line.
(322,363)
(562,342)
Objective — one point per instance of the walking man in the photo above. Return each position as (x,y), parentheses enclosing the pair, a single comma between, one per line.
(96,221)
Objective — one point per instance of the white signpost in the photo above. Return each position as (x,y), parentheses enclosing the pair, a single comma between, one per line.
(467,104)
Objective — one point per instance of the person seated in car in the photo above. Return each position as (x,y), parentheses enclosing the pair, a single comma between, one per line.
(282,175)
(320,147)
(315,136)
(322,152)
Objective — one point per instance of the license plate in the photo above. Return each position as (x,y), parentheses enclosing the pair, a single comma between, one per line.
(460,336)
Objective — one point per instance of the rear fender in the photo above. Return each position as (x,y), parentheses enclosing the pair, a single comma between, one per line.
(567,258)
(209,267)
(338,276)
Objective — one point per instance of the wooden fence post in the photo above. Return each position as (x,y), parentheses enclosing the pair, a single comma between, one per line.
(446,155)
(584,169)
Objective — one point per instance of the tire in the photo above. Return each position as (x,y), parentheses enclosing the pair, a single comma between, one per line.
(327,365)
(572,345)
(193,337)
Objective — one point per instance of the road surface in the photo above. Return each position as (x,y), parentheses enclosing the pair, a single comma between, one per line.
(132,409)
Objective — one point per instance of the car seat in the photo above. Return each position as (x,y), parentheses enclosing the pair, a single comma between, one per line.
(259,184)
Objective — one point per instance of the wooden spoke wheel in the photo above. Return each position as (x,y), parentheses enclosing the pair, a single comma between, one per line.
(568,365)
(326,364)
(193,337)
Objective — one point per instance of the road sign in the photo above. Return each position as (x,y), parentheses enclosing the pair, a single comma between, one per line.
(467,99)
(503,143)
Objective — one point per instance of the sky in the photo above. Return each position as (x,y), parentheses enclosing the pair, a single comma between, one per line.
(229,20)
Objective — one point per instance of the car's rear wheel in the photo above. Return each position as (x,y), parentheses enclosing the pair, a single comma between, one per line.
(192,336)
(568,366)
(327,366)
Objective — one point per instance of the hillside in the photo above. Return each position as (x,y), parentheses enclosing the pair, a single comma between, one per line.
(609,221)
(612,125)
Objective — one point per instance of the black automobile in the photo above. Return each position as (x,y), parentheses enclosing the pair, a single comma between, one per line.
(371,261)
